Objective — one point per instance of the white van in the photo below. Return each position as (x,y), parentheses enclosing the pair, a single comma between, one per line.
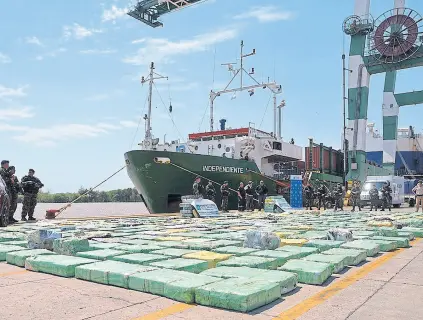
(397,186)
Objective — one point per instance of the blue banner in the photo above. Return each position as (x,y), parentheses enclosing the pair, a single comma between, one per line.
(296,192)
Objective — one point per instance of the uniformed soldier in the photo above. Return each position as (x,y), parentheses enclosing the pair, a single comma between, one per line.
(386,196)
(309,193)
(339,197)
(31,185)
(355,196)
(197,187)
(5,174)
(211,192)
(241,197)
(374,197)
(15,189)
(249,196)
(321,194)
(261,191)
(224,190)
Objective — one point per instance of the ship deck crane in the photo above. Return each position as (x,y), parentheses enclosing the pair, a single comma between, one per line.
(149,11)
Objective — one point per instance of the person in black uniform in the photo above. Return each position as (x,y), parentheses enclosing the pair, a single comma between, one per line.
(339,197)
(249,194)
(15,189)
(211,192)
(241,197)
(197,187)
(31,186)
(321,193)
(374,197)
(224,190)
(261,192)
(309,194)
(386,196)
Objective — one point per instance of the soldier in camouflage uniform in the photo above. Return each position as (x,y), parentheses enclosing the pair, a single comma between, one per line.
(211,192)
(14,192)
(31,185)
(5,175)
(197,188)
(224,190)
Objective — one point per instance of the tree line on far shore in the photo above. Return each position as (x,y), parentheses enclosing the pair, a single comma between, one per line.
(119,195)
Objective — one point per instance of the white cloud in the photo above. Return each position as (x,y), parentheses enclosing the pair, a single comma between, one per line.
(4,58)
(79,32)
(161,50)
(266,14)
(50,136)
(96,51)
(33,40)
(129,124)
(4,127)
(114,13)
(11,92)
(12,113)
(142,40)
(51,54)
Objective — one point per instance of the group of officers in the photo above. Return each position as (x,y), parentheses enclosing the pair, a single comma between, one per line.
(325,196)
(246,199)
(29,186)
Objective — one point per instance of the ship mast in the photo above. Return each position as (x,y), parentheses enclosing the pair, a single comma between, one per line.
(148,140)
(272,86)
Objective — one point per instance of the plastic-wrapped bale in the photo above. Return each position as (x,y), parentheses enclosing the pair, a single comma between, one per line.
(371,248)
(173,252)
(236,251)
(132,248)
(4,249)
(58,265)
(301,252)
(311,235)
(406,234)
(42,239)
(139,258)
(280,256)
(387,232)
(70,246)
(401,242)
(338,234)
(287,280)
(11,236)
(135,242)
(364,233)
(19,243)
(309,272)
(100,254)
(189,265)
(293,242)
(337,262)
(323,245)
(212,258)
(171,238)
(354,257)
(171,244)
(261,240)
(238,294)
(18,258)
(250,261)
(173,284)
(417,232)
(102,245)
(113,273)
(385,245)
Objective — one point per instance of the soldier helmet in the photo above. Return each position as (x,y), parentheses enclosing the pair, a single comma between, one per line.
(12,168)
(250,182)
(31,170)
(3,162)
(226,182)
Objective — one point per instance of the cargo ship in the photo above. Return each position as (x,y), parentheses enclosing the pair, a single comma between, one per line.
(164,172)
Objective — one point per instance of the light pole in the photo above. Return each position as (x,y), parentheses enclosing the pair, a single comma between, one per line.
(344,99)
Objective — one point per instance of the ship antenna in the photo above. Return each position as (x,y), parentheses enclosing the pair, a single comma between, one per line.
(150,79)
(272,86)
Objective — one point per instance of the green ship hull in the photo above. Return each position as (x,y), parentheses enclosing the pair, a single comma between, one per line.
(161,186)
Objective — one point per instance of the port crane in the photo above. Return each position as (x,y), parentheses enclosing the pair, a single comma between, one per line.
(149,11)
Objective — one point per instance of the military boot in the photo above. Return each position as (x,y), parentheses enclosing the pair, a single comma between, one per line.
(31,219)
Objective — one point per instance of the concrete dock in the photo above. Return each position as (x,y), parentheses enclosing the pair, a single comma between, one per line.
(389,286)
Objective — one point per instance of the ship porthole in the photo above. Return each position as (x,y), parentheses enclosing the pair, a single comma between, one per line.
(196,147)
(219,146)
(228,149)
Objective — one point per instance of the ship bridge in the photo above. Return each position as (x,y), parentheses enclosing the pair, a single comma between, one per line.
(149,11)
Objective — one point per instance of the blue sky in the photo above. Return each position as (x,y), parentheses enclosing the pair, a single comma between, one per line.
(70,92)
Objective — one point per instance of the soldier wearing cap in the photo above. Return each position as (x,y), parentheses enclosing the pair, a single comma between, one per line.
(31,185)
(14,192)
(224,190)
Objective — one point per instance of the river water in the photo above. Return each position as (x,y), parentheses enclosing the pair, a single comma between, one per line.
(81,210)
